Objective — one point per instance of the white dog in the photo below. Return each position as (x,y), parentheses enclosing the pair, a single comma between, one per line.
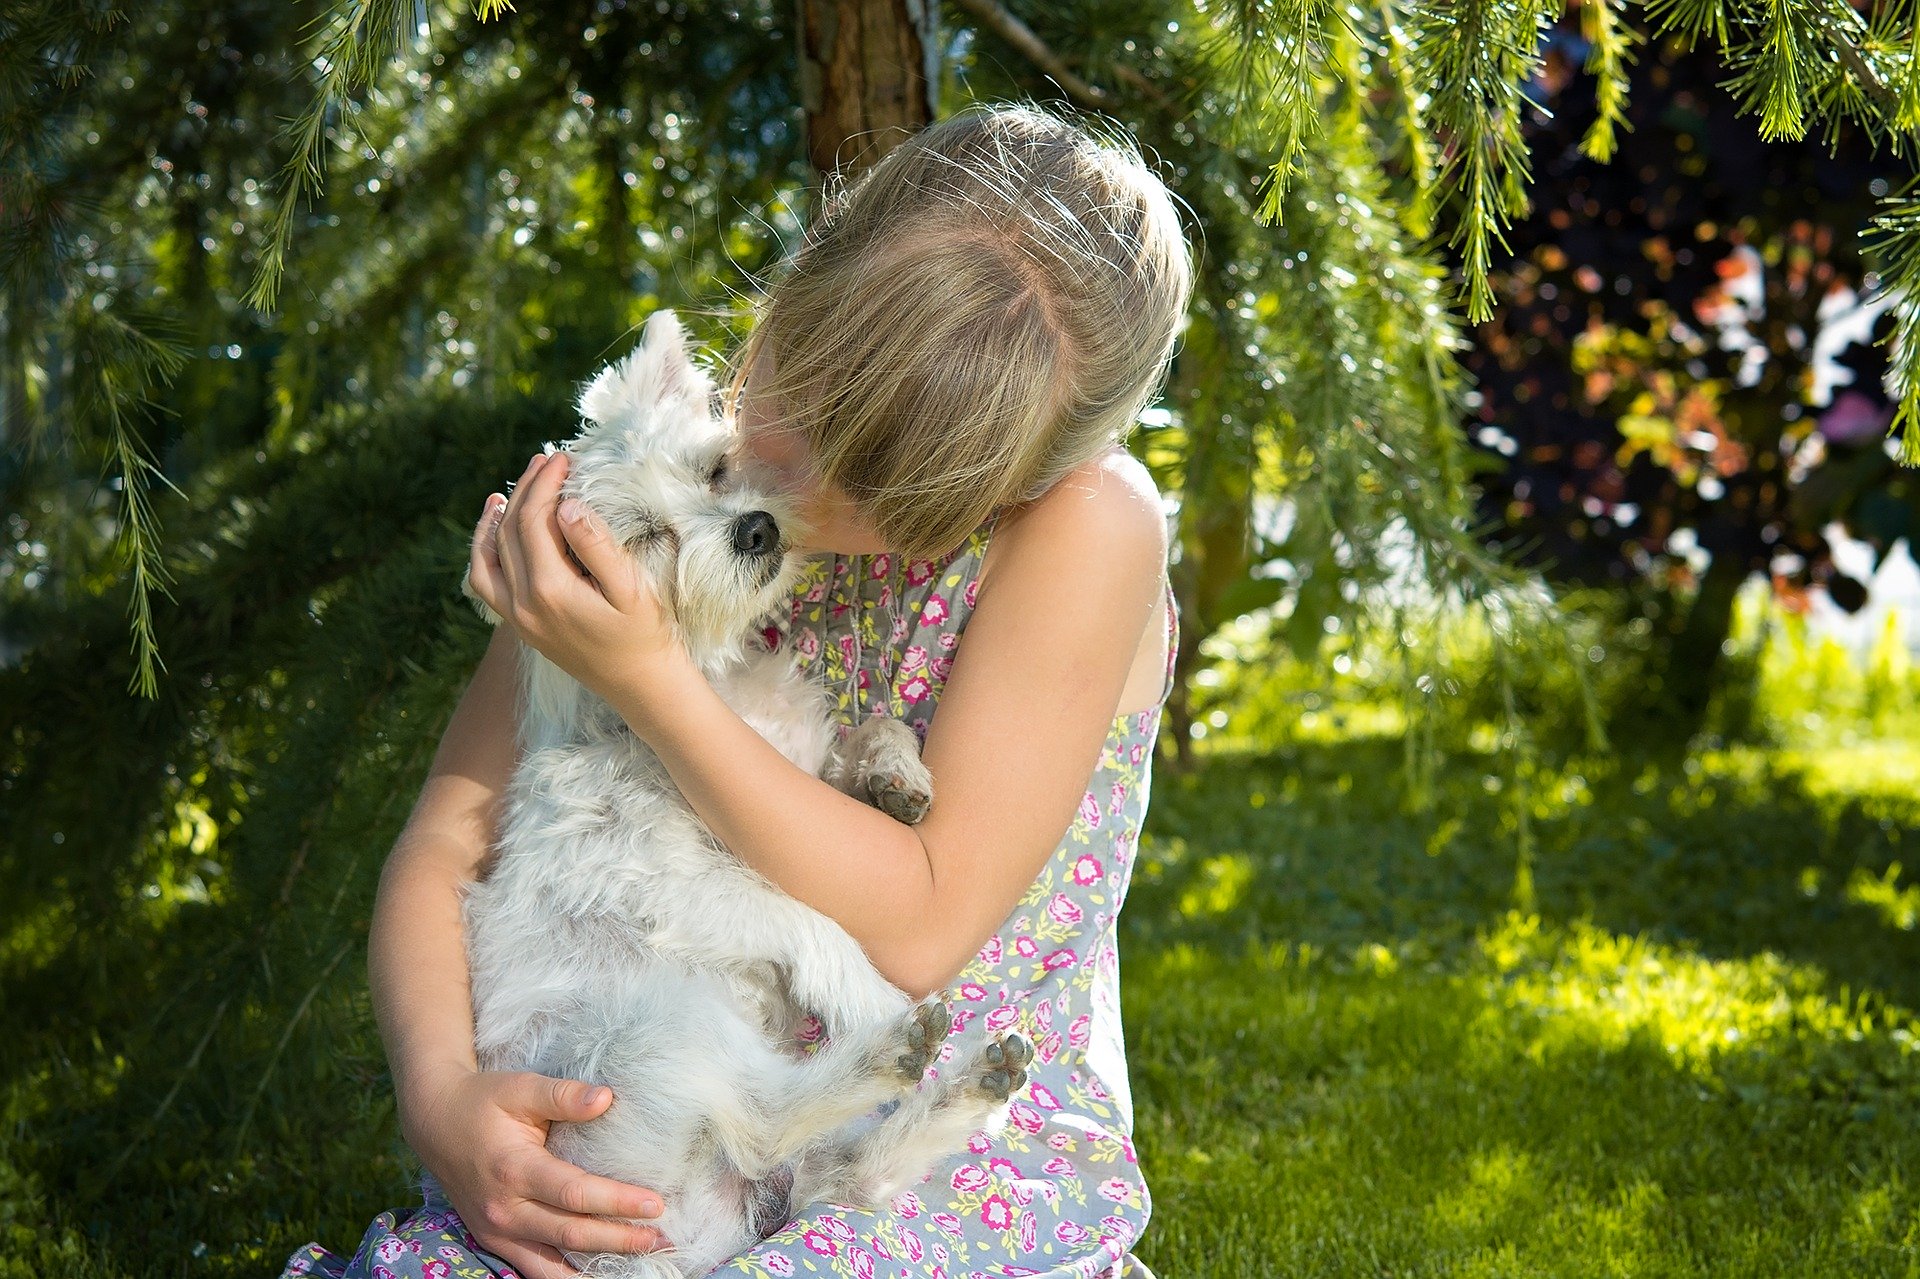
(613,939)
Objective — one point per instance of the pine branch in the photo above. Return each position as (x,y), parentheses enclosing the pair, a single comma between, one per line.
(1611,50)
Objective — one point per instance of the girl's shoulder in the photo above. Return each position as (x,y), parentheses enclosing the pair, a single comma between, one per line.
(1107,505)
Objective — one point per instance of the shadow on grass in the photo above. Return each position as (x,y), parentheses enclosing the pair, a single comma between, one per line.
(1736,854)
(1300,1119)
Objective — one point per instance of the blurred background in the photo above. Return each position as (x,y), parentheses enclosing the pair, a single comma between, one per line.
(1530,881)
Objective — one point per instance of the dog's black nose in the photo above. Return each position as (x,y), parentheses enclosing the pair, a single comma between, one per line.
(755,533)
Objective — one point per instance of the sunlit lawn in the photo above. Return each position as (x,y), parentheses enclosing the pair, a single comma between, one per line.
(1694,1055)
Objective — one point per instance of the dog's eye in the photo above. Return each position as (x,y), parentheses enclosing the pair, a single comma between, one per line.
(718,473)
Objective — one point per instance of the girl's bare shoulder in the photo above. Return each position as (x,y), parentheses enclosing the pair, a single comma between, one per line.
(1107,501)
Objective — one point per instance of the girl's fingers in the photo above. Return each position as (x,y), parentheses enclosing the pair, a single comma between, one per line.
(483,559)
(535,1261)
(539,537)
(512,553)
(543,1223)
(572,1189)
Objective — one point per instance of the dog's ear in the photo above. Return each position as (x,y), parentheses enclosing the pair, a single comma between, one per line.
(659,373)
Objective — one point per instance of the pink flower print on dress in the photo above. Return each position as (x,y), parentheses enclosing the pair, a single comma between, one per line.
(448,1251)
(996,1213)
(1126,1148)
(968,1177)
(940,668)
(1061,1140)
(935,611)
(979,1143)
(778,1264)
(1058,1166)
(1089,807)
(1049,1045)
(906,1204)
(382,1272)
(862,1262)
(882,565)
(817,1242)
(860,681)
(1077,1030)
(971,593)
(961,1018)
(816,591)
(770,637)
(915,658)
(1029,1232)
(1117,796)
(972,990)
(389,1248)
(899,629)
(919,572)
(1062,910)
(990,953)
(806,642)
(915,690)
(1071,1232)
(910,1244)
(947,639)
(1043,1097)
(1119,1227)
(1137,752)
(847,652)
(1086,869)
(837,1228)
(1001,1166)
(1043,1014)
(1062,958)
(1025,947)
(1002,1017)
(434,1268)
(949,1223)
(1025,1117)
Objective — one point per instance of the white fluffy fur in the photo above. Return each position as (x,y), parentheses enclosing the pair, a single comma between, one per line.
(614,940)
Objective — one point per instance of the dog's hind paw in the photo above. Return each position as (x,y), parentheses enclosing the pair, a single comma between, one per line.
(1002,1065)
(903,797)
(925,1030)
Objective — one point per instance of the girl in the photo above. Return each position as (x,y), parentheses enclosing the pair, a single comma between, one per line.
(944,374)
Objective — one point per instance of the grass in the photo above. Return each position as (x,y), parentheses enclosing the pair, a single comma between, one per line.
(1696,1057)
(1693,1055)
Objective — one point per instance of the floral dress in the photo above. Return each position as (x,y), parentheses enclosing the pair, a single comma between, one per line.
(1058,1191)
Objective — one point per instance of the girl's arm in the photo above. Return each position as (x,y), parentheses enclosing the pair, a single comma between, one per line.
(1076,579)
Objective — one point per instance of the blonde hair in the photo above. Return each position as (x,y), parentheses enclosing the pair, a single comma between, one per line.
(990,305)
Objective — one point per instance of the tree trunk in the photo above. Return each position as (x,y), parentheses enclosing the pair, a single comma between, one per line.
(869,77)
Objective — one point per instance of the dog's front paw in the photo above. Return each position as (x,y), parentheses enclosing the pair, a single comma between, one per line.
(902,795)
(1001,1069)
(924,1030)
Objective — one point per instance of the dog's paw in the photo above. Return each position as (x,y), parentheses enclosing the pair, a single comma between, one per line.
(922,1034)
(1001,1068)
(900,796)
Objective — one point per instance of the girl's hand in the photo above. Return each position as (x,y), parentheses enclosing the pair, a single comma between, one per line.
(597,619)
(483,1135)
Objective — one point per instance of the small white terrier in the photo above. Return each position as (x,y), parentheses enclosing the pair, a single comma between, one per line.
(613,939)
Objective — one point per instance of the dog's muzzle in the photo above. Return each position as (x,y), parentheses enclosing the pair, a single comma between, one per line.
(756,534)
